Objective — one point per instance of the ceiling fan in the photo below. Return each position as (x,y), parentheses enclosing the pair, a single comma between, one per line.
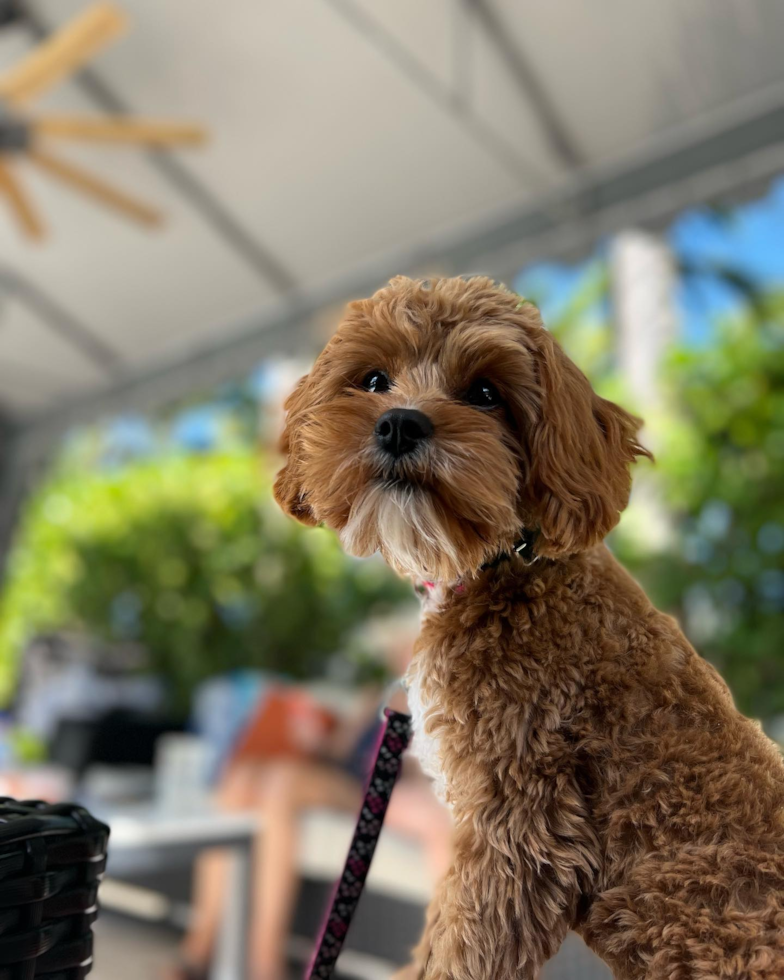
(26,137)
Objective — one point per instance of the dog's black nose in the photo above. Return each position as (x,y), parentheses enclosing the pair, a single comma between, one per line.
(400,430)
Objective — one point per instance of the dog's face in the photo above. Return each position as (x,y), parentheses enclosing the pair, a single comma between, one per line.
(441,419)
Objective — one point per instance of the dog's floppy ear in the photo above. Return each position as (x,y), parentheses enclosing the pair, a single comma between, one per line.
(289,491)
(580,449)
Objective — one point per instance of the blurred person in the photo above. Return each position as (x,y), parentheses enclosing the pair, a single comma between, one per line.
(324,769)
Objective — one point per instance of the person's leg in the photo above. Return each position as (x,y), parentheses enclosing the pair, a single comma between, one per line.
(290,787)
(415,812)
(237,791)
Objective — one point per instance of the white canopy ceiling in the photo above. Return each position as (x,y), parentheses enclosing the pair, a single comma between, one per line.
(350,140)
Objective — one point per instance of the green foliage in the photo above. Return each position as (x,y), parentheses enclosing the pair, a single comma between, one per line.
(188,555)
(720,475)
(717,560)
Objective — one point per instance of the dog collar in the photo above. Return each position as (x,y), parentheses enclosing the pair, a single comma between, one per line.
(522,548)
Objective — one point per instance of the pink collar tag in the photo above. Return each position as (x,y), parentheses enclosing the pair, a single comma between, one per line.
(431,587)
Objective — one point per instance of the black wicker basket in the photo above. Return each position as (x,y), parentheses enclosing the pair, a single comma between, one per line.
(52,858)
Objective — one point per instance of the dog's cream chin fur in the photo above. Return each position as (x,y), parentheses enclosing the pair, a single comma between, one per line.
(403,524)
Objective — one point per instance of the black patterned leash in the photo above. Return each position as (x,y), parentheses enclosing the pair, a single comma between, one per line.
(393,739)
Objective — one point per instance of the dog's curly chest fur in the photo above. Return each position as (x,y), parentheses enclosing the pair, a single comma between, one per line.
(574,733)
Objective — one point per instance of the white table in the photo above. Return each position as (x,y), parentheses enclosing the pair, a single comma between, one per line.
(146,828)
(397,869)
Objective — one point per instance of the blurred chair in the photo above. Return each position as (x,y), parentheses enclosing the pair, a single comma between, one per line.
(52,858)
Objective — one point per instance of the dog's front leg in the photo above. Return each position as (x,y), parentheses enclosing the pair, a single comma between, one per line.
(493,917)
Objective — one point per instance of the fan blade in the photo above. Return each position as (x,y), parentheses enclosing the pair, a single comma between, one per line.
(118,129)
(82,180)
(21,205)
(63,53)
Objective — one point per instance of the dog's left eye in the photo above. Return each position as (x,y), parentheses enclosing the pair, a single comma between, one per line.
(483,394)
(376,381)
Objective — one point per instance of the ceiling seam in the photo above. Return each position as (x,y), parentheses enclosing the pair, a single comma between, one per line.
(30,374)
(505,154)
(246,246)
(556,131)
(462,60)
(59,321)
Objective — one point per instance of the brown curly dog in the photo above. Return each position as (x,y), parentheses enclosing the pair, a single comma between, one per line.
(600,776)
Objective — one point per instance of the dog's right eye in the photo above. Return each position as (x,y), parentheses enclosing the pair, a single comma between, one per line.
(376,381)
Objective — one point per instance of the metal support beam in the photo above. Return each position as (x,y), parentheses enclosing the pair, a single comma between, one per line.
(61,322)
(555,129)
(642,284)
(515,163)
(11,487)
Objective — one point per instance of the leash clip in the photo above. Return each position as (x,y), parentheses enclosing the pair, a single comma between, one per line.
(389,692)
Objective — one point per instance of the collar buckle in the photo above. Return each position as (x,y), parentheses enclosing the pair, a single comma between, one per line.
(525,541)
